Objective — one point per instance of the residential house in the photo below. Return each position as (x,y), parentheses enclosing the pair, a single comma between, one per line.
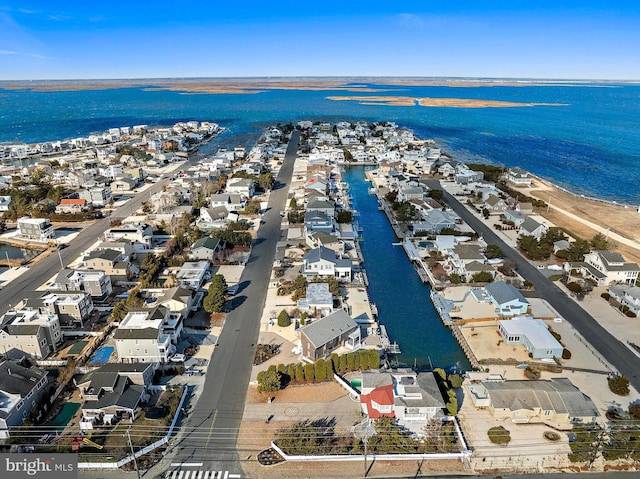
(206,248)
(555,402)
(123,183)
(124,246)
(495,204)
(323,336)
(323,205)
(561,245)
(626,295)
(178,300)
(323,262)
(403,394)
(193,274)
(606,267)
(29,332)
(72,205)
(533,334)
(435,221)
(531,227)
(21,389)
(241,186)
(507,300)
(327,240)
(73,308)
(231,202)
(514,216)
(112,262)
(318,299)
(36,229)
(115,391)
(315,221)
(519,177)
(97,283)
(140,233)
(99,196)
(5,201)
(213,218)
(524,208)
(140,337)
(462,255)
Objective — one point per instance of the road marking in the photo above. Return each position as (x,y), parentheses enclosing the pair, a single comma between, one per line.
(186,464)
(213,421)
(199,475)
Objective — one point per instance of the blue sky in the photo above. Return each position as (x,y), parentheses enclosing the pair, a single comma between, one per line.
(483,38)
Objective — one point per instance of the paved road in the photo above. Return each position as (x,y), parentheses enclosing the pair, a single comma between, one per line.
(209,434)
(44,269)
(624,360)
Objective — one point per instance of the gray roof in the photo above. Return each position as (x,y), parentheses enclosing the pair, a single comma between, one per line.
(469,251)
(477,266)
(323,330)
(558,394)
(624,289)
(108,254)
(320,203)
(318,293)
(321,253)
(376,378)
(503,293)
(530,225)
(136,333)
(207,242)
(16,379)
(325,238)
(609,258)
(124,395)
(315,215)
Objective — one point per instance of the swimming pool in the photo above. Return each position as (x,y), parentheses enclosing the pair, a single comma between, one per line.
(64,416)
(101,356)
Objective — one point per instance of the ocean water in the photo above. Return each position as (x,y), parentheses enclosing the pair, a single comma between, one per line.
(589,146)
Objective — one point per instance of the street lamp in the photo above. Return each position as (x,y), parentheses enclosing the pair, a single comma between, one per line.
(364,431)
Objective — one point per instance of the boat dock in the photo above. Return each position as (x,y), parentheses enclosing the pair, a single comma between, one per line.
(387,345)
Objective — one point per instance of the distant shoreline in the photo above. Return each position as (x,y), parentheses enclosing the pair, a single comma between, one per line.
(258,85)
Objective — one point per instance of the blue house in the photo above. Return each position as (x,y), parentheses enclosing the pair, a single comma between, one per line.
(507,300)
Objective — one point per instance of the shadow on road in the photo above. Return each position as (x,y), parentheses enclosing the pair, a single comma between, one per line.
(234,302)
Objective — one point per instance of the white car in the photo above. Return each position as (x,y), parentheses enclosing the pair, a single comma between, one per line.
(178,358)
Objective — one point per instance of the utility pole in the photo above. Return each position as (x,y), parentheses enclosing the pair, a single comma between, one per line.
(366,439)
(133,454)
(60,258)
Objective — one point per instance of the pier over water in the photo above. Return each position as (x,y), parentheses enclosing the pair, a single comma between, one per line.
(402,300)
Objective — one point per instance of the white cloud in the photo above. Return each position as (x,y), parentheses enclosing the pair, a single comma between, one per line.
(24,54)
(411,20)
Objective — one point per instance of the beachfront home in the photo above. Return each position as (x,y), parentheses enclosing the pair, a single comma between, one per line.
(507,300)
(114,391)
(495,204)
(323,336)
(20,391)
(403,394)
(323,262)
(533,334)
(531,227)
(556,402)
(626,295)
(606,267)
(28,332)
(519,177)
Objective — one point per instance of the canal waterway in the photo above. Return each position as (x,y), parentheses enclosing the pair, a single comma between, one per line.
(402,299)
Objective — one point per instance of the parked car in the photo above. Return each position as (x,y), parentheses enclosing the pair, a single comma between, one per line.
(178,358)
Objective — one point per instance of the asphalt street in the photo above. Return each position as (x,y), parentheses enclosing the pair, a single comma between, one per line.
(208,435)
(624,360)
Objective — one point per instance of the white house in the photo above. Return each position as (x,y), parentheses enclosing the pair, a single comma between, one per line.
(140,337)
(36,229)
(533,334)
(627,296)
(323,262)
(194,273)
(606,267)
(531,227)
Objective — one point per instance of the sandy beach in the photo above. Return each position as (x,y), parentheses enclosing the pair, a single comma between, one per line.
(435,102)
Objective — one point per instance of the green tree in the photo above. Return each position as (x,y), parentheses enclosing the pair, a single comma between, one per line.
(283,319)
(343,363)
(269,380)
(335,362)
(455,278)
(619,385)
(266,181)
(293,204)
(600,242)
(436,194)
(455,380)
(482,277)
(309,372)
(320,367)
(351,361)
(253,208)
(215,299)
(389,438)
(452,403)
(576,250)
(493,251)
(299,372)
(499,435)
(344,216)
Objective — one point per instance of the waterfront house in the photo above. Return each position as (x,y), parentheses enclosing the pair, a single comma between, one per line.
(316,220)
(205,248)
(533,334)
(72,205)
(318,299)
(605,267)
(29,332)
(556,402)
(327,240)
(36,229)
(514,216)
(463,254)
(114,391)
(322,205)
(323,262)
(531,227)
(524,208)
(435,221)
(412,398)
(507,300)
(626,295)
(323,336)
(519,177)
(21,389)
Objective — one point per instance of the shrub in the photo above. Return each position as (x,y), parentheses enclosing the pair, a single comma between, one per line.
(309,372)
(532,373)
(320,369)
(619,385)
(269,380)
(499,435)
(283,319)
(574,287)
(343,363)
(605,296)
(566,354)
(452,403)
(299,372)
(455,380)
(630,314)
(634,411)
